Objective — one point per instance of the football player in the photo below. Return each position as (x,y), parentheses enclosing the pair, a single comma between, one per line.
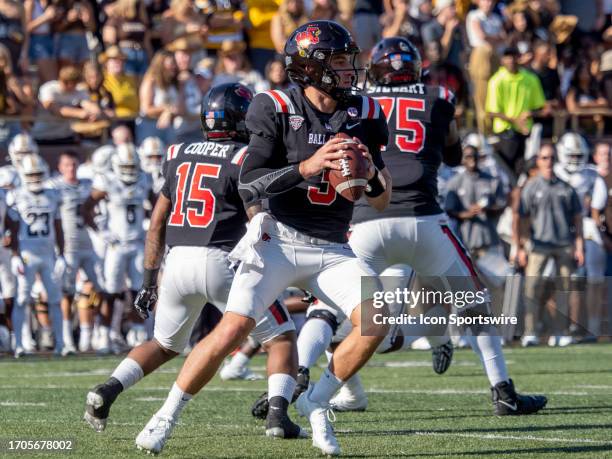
(35,224)
(20,146)
(78,249)
(124,191)
(151,153)
(413,230)
(7,279)
(573,153)
(302,240)
(200,216)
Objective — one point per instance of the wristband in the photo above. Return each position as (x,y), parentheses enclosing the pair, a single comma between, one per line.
(376,185)
(150,277)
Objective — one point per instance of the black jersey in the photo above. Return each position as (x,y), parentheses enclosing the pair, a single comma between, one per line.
(201,180)
(419,117)
(285,130)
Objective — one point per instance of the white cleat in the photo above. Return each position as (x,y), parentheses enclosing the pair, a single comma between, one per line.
(345,400)
(68,350)
(529,340)
(565,341)
(155,434)
(229,372)
(322,432)
(421,344)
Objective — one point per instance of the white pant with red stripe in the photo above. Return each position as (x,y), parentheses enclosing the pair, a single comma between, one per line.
(194,276)
(426,244)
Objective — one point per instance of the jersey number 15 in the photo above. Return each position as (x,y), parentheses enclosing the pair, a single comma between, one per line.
(414,142)
(190,180)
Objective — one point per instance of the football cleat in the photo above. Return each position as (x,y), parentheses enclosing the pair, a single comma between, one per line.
(347,400)
(442,356)
(421,344)
(529,340)
(155,434)
(68,350)
(508,403)
(319,416)
(97,406)
(230,372)
(278,424)
(261,406)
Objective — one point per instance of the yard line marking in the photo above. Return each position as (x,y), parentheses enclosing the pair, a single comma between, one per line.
(590,386)
(515,437)
(22,404)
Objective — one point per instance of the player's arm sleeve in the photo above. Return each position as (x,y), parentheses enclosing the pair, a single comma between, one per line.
(262,174)
(379,139)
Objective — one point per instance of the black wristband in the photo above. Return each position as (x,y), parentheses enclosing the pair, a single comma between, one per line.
(150,278)
(376,185)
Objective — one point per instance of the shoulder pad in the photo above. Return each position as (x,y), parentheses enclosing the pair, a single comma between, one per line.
(369,109)
(239,156)
(173,151)
(282,101)
(446,94)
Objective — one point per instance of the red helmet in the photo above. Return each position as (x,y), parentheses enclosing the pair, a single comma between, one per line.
(395,61)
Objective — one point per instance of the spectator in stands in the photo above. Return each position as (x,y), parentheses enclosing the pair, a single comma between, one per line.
(290,16)
(444,73)
(514,96)
(159,99)
(183,20)
(476,199)
(521,36)
(16,94)
(327,10)
(100,99)
(605,67)
(204,74)
(543,57)
(76,20)
(61,98)
(276,75)
(366,24)
(122,88)
(188,125)
(485,32)
(13,32)
(226,21)
(402,21)
(39,16)
(128,28)
(155,12)
(445,28)
(233,67)
(261,46)
(585,93)
(550,217)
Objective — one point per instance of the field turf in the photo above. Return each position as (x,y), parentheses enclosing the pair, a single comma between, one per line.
(413,412)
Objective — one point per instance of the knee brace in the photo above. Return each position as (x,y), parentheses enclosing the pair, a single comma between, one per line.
(327,316)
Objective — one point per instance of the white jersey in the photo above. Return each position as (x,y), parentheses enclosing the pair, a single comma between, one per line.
(73,196)
(9,177)
(586,182)
(3,211)
(36,214)
(124,205)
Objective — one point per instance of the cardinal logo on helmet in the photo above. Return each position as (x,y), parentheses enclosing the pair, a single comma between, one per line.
(308,37)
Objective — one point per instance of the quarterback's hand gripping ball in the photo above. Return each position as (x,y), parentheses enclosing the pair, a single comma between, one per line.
(351,180)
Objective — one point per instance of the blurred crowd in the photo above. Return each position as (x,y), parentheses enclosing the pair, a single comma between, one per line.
(94,74)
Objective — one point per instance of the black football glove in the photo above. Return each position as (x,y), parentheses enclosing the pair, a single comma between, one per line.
(145,301)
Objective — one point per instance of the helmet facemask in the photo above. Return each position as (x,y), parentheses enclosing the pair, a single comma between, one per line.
(34,181)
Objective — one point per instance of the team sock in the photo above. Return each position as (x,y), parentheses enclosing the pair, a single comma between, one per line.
(281,385)
(325,387)
(128,373)
(315,337)
(488,347)
(174,404)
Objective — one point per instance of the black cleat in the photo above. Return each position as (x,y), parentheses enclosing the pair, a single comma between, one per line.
(261,406)
(278,424)
(508,403)
(98,404)
(442,356)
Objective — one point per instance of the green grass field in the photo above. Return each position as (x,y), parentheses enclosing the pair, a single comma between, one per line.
(413,412)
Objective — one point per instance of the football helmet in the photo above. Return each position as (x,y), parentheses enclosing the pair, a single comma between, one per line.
(101,159)
(125,163)
(33,171)
(21,145)
(308,54)
(224,110)
(572,152)
(395,61)
(479,142)
(151,154)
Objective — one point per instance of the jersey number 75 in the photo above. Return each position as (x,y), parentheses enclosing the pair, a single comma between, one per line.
(412,143)
(190,180)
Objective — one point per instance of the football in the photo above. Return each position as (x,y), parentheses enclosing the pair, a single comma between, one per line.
(350,182)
